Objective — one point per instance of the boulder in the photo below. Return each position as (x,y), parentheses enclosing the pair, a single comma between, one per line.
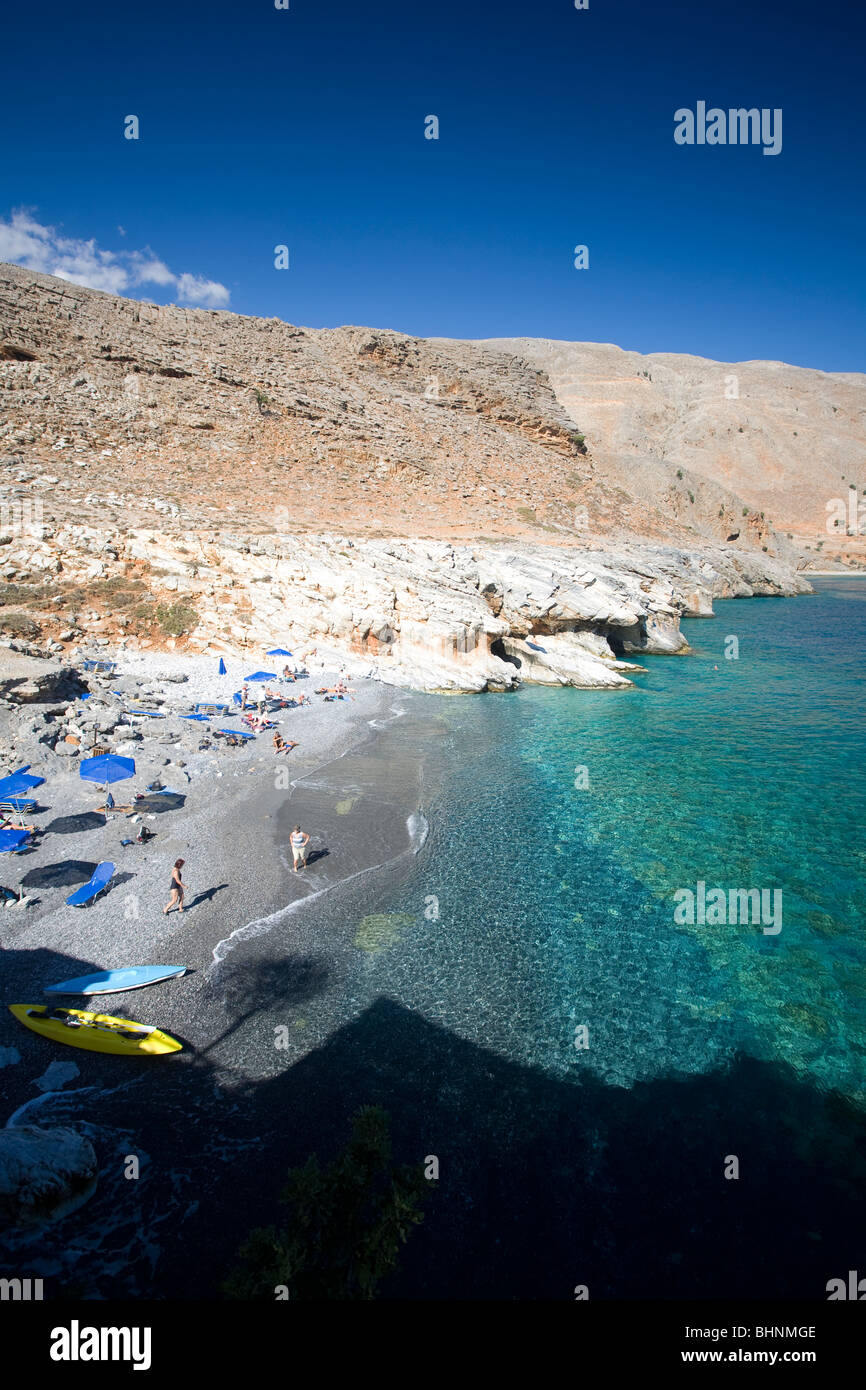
(44,1173)
(30,680)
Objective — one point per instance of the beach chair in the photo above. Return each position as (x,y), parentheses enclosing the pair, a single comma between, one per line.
(14,841)
(236,700)
(89,892)
(210,707)
(17,806)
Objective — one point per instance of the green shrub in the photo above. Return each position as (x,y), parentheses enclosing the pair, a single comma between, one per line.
(176,618)
(19,625)
(347,1224)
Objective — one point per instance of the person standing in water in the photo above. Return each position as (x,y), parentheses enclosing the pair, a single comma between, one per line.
(299,841)
(176,886)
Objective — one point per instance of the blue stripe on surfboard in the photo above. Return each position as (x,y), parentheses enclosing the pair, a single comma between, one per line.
(116,981)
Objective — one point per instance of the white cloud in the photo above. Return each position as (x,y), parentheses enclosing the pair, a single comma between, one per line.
(26,242)
(195,289)
(149,269)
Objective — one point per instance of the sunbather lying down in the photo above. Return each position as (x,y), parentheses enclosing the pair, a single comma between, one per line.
(9,824)
(338,690)
(282,746)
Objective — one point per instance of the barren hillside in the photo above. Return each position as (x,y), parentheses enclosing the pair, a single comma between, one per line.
(262,425)
(784,439)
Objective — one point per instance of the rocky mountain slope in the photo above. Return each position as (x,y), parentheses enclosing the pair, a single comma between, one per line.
(440,512)
(786,440)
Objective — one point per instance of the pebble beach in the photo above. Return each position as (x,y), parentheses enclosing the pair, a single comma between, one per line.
(227,811)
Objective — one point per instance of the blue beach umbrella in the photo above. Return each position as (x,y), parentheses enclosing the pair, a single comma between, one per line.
(16,783)
(221,671)
(262,676)
(108,768)
(278,651)
(11,839)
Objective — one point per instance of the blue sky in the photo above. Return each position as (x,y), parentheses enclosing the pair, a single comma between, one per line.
(305,127)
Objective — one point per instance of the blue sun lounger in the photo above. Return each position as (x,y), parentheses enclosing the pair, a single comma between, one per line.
(209,707)
(89,892)
(18,804)
(102,668)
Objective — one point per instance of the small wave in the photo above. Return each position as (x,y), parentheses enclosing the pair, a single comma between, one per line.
(419,828)
(397,712)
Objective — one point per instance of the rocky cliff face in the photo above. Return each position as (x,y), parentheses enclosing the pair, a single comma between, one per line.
(433,511)
(418,613)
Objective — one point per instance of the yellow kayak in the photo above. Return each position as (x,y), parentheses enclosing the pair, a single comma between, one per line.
(96,1032)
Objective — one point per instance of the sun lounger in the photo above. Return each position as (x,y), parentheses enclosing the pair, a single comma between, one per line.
(14,841)
(17,805)
(100,668)
(89,892)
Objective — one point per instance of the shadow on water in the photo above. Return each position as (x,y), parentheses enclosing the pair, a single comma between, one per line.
(317,854)
(250,987)
(544,1183)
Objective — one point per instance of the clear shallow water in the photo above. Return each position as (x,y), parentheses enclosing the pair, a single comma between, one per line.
(556,902)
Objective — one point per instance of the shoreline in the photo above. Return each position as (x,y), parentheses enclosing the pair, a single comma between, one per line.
(232,820)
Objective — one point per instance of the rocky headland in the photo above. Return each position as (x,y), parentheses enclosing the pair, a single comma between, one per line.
(438,514)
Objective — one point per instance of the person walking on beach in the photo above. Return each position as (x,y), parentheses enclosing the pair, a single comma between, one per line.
(244,698)
(299,841)
(176,886)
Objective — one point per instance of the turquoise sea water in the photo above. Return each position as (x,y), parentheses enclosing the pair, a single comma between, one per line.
(556,901)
